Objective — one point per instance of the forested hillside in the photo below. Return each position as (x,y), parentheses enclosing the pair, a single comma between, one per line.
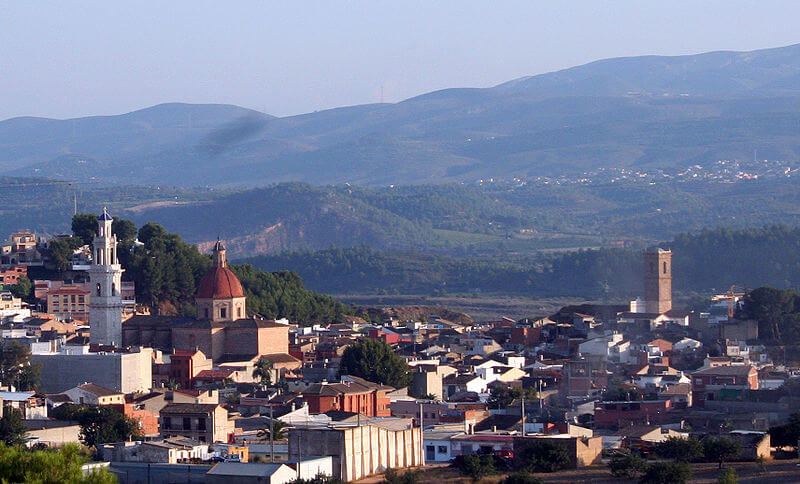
(712,259)
(166,271)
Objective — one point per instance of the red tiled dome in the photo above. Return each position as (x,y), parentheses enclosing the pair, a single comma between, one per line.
(219,283)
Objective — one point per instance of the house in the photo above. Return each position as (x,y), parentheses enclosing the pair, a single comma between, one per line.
(168,451)
(616,414)
(9,275)
(91,394)
(454,384)
(52,433)
(644,437)
(248,473)
(198,421)
(31,405)
(679,394)
(70,301)
(352,394)
(755,444)
(708,381)
(438,443)
(181,367)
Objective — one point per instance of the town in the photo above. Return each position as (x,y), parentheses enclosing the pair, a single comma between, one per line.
(229,394)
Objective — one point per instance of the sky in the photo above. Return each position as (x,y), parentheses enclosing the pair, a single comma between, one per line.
(70,59)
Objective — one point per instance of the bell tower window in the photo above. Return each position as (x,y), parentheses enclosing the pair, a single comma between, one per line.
(113,289)
(98,289)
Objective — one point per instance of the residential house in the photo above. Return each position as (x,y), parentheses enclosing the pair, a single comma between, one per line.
(203,422)
(250,473)
(91,394)
(352,394)
(707,382)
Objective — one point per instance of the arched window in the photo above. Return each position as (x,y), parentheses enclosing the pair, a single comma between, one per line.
(98,288)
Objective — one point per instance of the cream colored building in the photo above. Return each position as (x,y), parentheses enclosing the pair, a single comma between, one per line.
(362,450)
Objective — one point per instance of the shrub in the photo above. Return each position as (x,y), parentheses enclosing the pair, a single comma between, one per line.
(667,473)
(626,465)
(521,478)
(728,477)
(474,465)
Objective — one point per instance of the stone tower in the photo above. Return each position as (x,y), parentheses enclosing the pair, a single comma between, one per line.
(657,280)
(220,296)
(105,274)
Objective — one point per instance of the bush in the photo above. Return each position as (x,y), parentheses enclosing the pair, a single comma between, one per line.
(626,465)
(728,477)
(667,473)
(319,479)
(391,476)
(521,478)
(474,465)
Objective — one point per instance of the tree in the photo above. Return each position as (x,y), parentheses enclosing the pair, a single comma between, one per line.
(277,428)
(543,456)
(667,473)
(787,434)
(60,251)
(626,465)
(84,227)
(502,397)
(49,466)
(627,392)
(375,361)
(474,465)
(721,449)
(680,449)
(12,430)
(99,424)
(22,289)
(16,368)
(263,371)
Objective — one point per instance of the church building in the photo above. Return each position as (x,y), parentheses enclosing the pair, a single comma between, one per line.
(223,331)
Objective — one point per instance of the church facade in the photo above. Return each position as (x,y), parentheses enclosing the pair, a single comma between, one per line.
(222,330)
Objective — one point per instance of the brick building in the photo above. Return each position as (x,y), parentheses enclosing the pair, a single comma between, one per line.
(707,382)
(352,394)
(10,275)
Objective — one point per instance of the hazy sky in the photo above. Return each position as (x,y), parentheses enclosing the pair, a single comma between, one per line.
(68,58)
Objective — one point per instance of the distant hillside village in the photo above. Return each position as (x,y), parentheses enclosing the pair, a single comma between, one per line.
(273,400)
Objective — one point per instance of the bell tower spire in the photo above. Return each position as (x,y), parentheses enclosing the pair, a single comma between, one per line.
(105,274)
(219,255)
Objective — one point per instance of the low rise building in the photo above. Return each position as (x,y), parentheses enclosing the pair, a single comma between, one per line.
(203,422)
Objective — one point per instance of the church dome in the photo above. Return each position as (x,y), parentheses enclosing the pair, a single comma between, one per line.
(219,283)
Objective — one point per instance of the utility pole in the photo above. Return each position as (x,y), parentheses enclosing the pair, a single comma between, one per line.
(523,413)
(272,436)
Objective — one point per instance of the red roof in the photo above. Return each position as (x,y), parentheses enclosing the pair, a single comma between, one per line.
(220,283)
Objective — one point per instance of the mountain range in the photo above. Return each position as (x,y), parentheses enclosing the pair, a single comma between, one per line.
(645,113)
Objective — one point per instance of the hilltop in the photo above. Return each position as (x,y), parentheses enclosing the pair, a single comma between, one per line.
(647,113)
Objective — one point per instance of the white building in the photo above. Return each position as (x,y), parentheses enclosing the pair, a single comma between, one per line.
(105,274)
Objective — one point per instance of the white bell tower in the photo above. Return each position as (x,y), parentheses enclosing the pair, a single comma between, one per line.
(105,274)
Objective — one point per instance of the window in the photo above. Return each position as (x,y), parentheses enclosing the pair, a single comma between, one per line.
(72,299)
(98,288)
(201,424)
(223,313)
(442,449)
(206,312)
(187,423)
(80,299)
(167,422)
(665,267)
(238,312)
(113,289)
